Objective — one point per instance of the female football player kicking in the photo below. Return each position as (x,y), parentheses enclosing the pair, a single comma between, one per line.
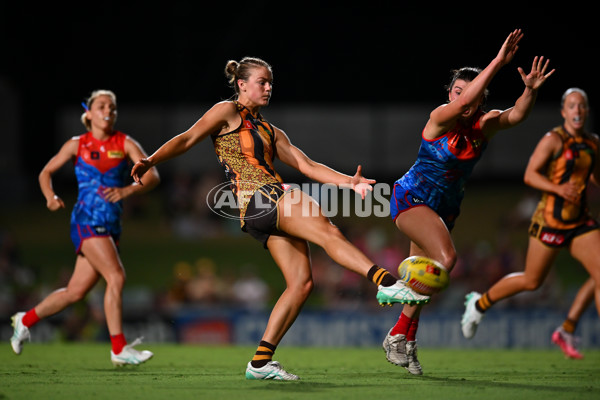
(282,220)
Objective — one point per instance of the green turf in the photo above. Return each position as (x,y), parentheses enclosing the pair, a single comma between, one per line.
(83,371)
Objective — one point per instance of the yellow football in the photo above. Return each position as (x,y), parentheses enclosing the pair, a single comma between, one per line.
(423,275)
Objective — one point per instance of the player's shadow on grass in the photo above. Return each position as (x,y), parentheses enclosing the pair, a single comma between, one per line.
(487,384)
(298,386)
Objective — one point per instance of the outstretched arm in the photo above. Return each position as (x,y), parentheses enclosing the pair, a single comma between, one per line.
(297,159)
(217,118)
(498,120)
(445,116)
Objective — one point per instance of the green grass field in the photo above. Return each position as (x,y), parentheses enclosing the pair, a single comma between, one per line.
(84,371)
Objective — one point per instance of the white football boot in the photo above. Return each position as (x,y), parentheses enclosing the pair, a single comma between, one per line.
(395,349)
(414,366)
(130,356)
(400,293)
(272,370)
(472,317)
(20,333)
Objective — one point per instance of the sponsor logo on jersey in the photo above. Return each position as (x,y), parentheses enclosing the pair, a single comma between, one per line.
(569,154)
(115,154)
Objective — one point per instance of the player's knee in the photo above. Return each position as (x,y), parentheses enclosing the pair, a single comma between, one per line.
(532,284)
(303,288)
(310,284)
(448,259)
(75,294)
(306,287)
(332,234)
(115,281)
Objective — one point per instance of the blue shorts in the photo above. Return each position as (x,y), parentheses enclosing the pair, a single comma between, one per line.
(81,232)
(403,199)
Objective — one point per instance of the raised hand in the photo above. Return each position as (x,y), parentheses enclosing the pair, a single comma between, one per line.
(510,47)
(538,75)
(360,184)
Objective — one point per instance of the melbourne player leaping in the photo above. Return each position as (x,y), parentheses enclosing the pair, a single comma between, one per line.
(426,200)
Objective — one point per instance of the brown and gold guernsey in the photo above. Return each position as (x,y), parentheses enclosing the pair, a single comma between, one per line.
(574,163)
(247,156)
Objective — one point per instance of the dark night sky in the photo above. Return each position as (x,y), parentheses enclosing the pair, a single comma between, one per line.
(377,52)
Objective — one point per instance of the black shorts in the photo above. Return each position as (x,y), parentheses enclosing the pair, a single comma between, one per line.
(262,217)
(558,238)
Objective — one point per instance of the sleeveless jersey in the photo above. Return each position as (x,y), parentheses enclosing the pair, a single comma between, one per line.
(247,154)
(99,164)
(443,165)
(575,163)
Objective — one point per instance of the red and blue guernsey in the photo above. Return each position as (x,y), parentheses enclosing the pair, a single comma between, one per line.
(438,177)
(99,165)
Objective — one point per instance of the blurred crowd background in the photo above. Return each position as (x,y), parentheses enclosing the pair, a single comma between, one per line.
(185,263)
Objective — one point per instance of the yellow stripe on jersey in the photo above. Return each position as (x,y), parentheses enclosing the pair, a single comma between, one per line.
(247,154)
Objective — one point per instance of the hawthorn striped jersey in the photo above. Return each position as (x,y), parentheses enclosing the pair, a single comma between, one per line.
(575,163)
(247,154)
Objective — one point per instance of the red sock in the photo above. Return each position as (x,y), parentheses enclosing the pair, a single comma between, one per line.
(401,326)
(118,342)
(411,336)
(30,318)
